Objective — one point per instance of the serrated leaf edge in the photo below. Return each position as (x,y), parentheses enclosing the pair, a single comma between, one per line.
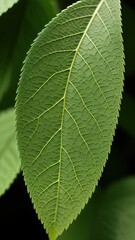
(113,135)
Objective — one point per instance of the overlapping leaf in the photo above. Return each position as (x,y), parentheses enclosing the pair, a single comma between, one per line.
(6,4)
(9,158)
(67,108)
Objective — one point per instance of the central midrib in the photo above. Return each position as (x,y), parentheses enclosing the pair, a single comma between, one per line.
(64,101)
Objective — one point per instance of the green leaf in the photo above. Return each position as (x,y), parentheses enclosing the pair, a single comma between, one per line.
(9,158)
(109,215)
(67,108)
(6,4)
(20,25)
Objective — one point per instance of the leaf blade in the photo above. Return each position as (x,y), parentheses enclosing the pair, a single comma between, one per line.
(70,119)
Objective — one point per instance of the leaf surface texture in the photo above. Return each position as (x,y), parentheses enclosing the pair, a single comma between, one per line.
(67,108)
(9,158)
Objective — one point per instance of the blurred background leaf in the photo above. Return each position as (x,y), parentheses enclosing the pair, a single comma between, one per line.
(9,157)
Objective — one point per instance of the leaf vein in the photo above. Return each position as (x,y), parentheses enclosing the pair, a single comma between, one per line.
(56,73)
(46,169)
(38,117)
(55,52)
(77,18)
(46,144)
(98,51)
(85,105)
(79,131)
(110,10)
(64,104)
(50,185)
(104,24)
(99,87)
(57,39)
(74,170)
(67,193)
(54,105)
